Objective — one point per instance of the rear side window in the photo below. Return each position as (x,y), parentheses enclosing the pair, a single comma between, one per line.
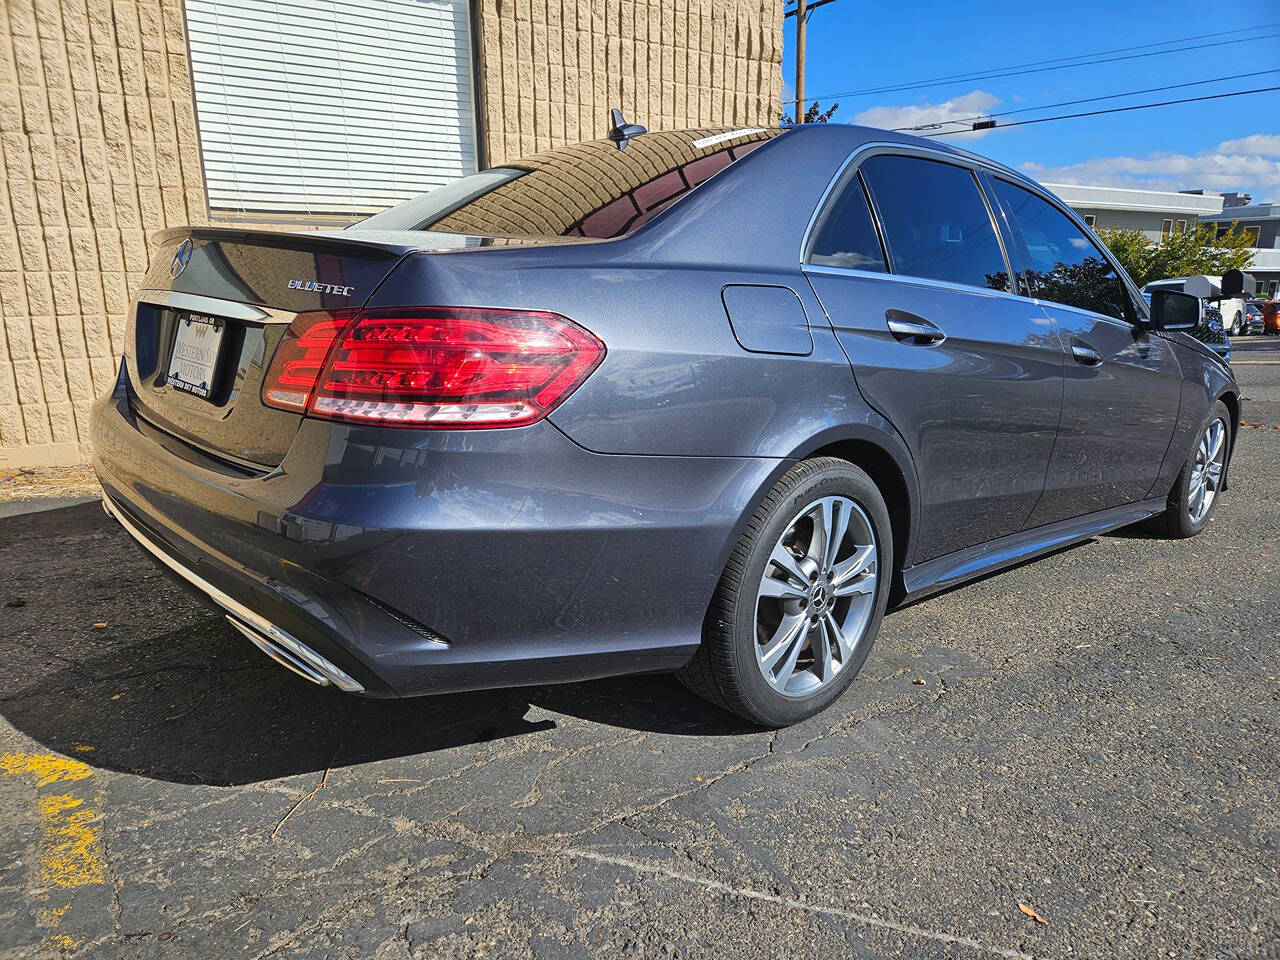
(1063,264)
(935,221)
(848,235)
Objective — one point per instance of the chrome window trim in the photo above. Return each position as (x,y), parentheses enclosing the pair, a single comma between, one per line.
(956,158)
(961,158)
(916,281)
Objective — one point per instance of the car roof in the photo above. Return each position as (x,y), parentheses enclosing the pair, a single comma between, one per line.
(856,136)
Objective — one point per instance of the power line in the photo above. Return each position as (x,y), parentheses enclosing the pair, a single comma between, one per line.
(1013,72)
(1071,103)
(1098,53)
(1096,113)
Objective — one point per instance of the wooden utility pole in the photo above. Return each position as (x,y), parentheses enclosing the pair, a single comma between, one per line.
(800,109)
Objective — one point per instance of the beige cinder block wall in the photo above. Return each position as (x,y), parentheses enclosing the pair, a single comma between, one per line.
(99,140)
(550,70)
(100,150)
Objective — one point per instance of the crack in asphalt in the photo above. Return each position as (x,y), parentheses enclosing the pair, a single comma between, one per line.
(790,903)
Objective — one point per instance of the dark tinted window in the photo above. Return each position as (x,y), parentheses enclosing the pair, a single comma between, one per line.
(935,221)
(1063,264)
(848,236)
(590,189)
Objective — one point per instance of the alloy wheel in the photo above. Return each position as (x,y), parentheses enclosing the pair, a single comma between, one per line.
(816,597)
(1206,472)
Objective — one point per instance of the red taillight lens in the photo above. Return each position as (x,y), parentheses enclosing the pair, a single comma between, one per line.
(441,367)
(300,357)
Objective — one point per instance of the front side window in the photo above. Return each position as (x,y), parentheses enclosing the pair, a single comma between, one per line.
(848,235)
(935,221)
(590,189)
(1063,264)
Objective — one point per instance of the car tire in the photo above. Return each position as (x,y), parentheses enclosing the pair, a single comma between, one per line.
(1180,519)
(730,666)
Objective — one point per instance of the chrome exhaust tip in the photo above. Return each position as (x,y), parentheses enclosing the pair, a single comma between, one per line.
(281,646)
(295,656)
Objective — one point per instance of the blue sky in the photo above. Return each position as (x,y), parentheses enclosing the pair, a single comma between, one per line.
(1220,145)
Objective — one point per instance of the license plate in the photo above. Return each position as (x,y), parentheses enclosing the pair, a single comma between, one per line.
(195,353)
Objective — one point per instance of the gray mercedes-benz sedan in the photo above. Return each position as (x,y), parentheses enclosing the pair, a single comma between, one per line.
(704,401)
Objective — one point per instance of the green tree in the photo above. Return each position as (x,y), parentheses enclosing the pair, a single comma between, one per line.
(815,114)
(1196,251)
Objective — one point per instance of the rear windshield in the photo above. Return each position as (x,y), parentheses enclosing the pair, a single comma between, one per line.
(590,189)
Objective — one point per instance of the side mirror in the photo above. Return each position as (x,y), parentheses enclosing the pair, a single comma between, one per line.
(1237,283)
(1171,310)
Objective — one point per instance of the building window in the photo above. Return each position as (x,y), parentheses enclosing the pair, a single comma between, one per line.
(1166,229)
(1180,227)
(302,112)
(1254,234)
(1089,220)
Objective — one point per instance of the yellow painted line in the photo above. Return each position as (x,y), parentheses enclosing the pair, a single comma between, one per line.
(1237,363)
(72,854)
(47,768)
(72,841)
(52,916)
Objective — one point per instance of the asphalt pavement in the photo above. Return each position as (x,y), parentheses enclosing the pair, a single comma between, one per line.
(1079,757)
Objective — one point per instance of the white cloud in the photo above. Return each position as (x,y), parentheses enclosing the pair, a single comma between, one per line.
(1262,144)
(944,115)
(1250,164)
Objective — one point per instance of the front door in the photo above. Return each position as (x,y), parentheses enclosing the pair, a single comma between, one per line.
(1122,384)
(968,373)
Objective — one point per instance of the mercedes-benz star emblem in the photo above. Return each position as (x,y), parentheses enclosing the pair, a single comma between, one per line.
(180,259)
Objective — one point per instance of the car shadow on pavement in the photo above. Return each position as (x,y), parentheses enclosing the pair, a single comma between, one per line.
(197,704)
(200,706)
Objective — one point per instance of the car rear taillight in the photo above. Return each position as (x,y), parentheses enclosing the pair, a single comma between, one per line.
(435,367)
(300,357)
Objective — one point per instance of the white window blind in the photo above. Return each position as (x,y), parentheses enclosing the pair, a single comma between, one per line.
(330,106)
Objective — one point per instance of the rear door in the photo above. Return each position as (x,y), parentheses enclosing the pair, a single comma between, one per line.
(1122,383)
(968,372)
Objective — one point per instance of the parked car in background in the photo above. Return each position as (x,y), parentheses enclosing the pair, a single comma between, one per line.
(1270,310)
(1252,323)
(608,410)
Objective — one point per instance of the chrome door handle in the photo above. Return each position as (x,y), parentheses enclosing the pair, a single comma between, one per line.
(1086,354)
(918,330)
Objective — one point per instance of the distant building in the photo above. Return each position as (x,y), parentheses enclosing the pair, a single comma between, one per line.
(1262,222)
(1157,213)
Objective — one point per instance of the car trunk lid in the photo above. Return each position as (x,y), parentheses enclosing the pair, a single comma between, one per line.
(220,300)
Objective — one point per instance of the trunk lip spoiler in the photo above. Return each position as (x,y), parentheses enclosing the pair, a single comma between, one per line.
(390,244)
(309,240)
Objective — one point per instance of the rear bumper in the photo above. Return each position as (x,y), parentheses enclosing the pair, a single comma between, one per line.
(413,562)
